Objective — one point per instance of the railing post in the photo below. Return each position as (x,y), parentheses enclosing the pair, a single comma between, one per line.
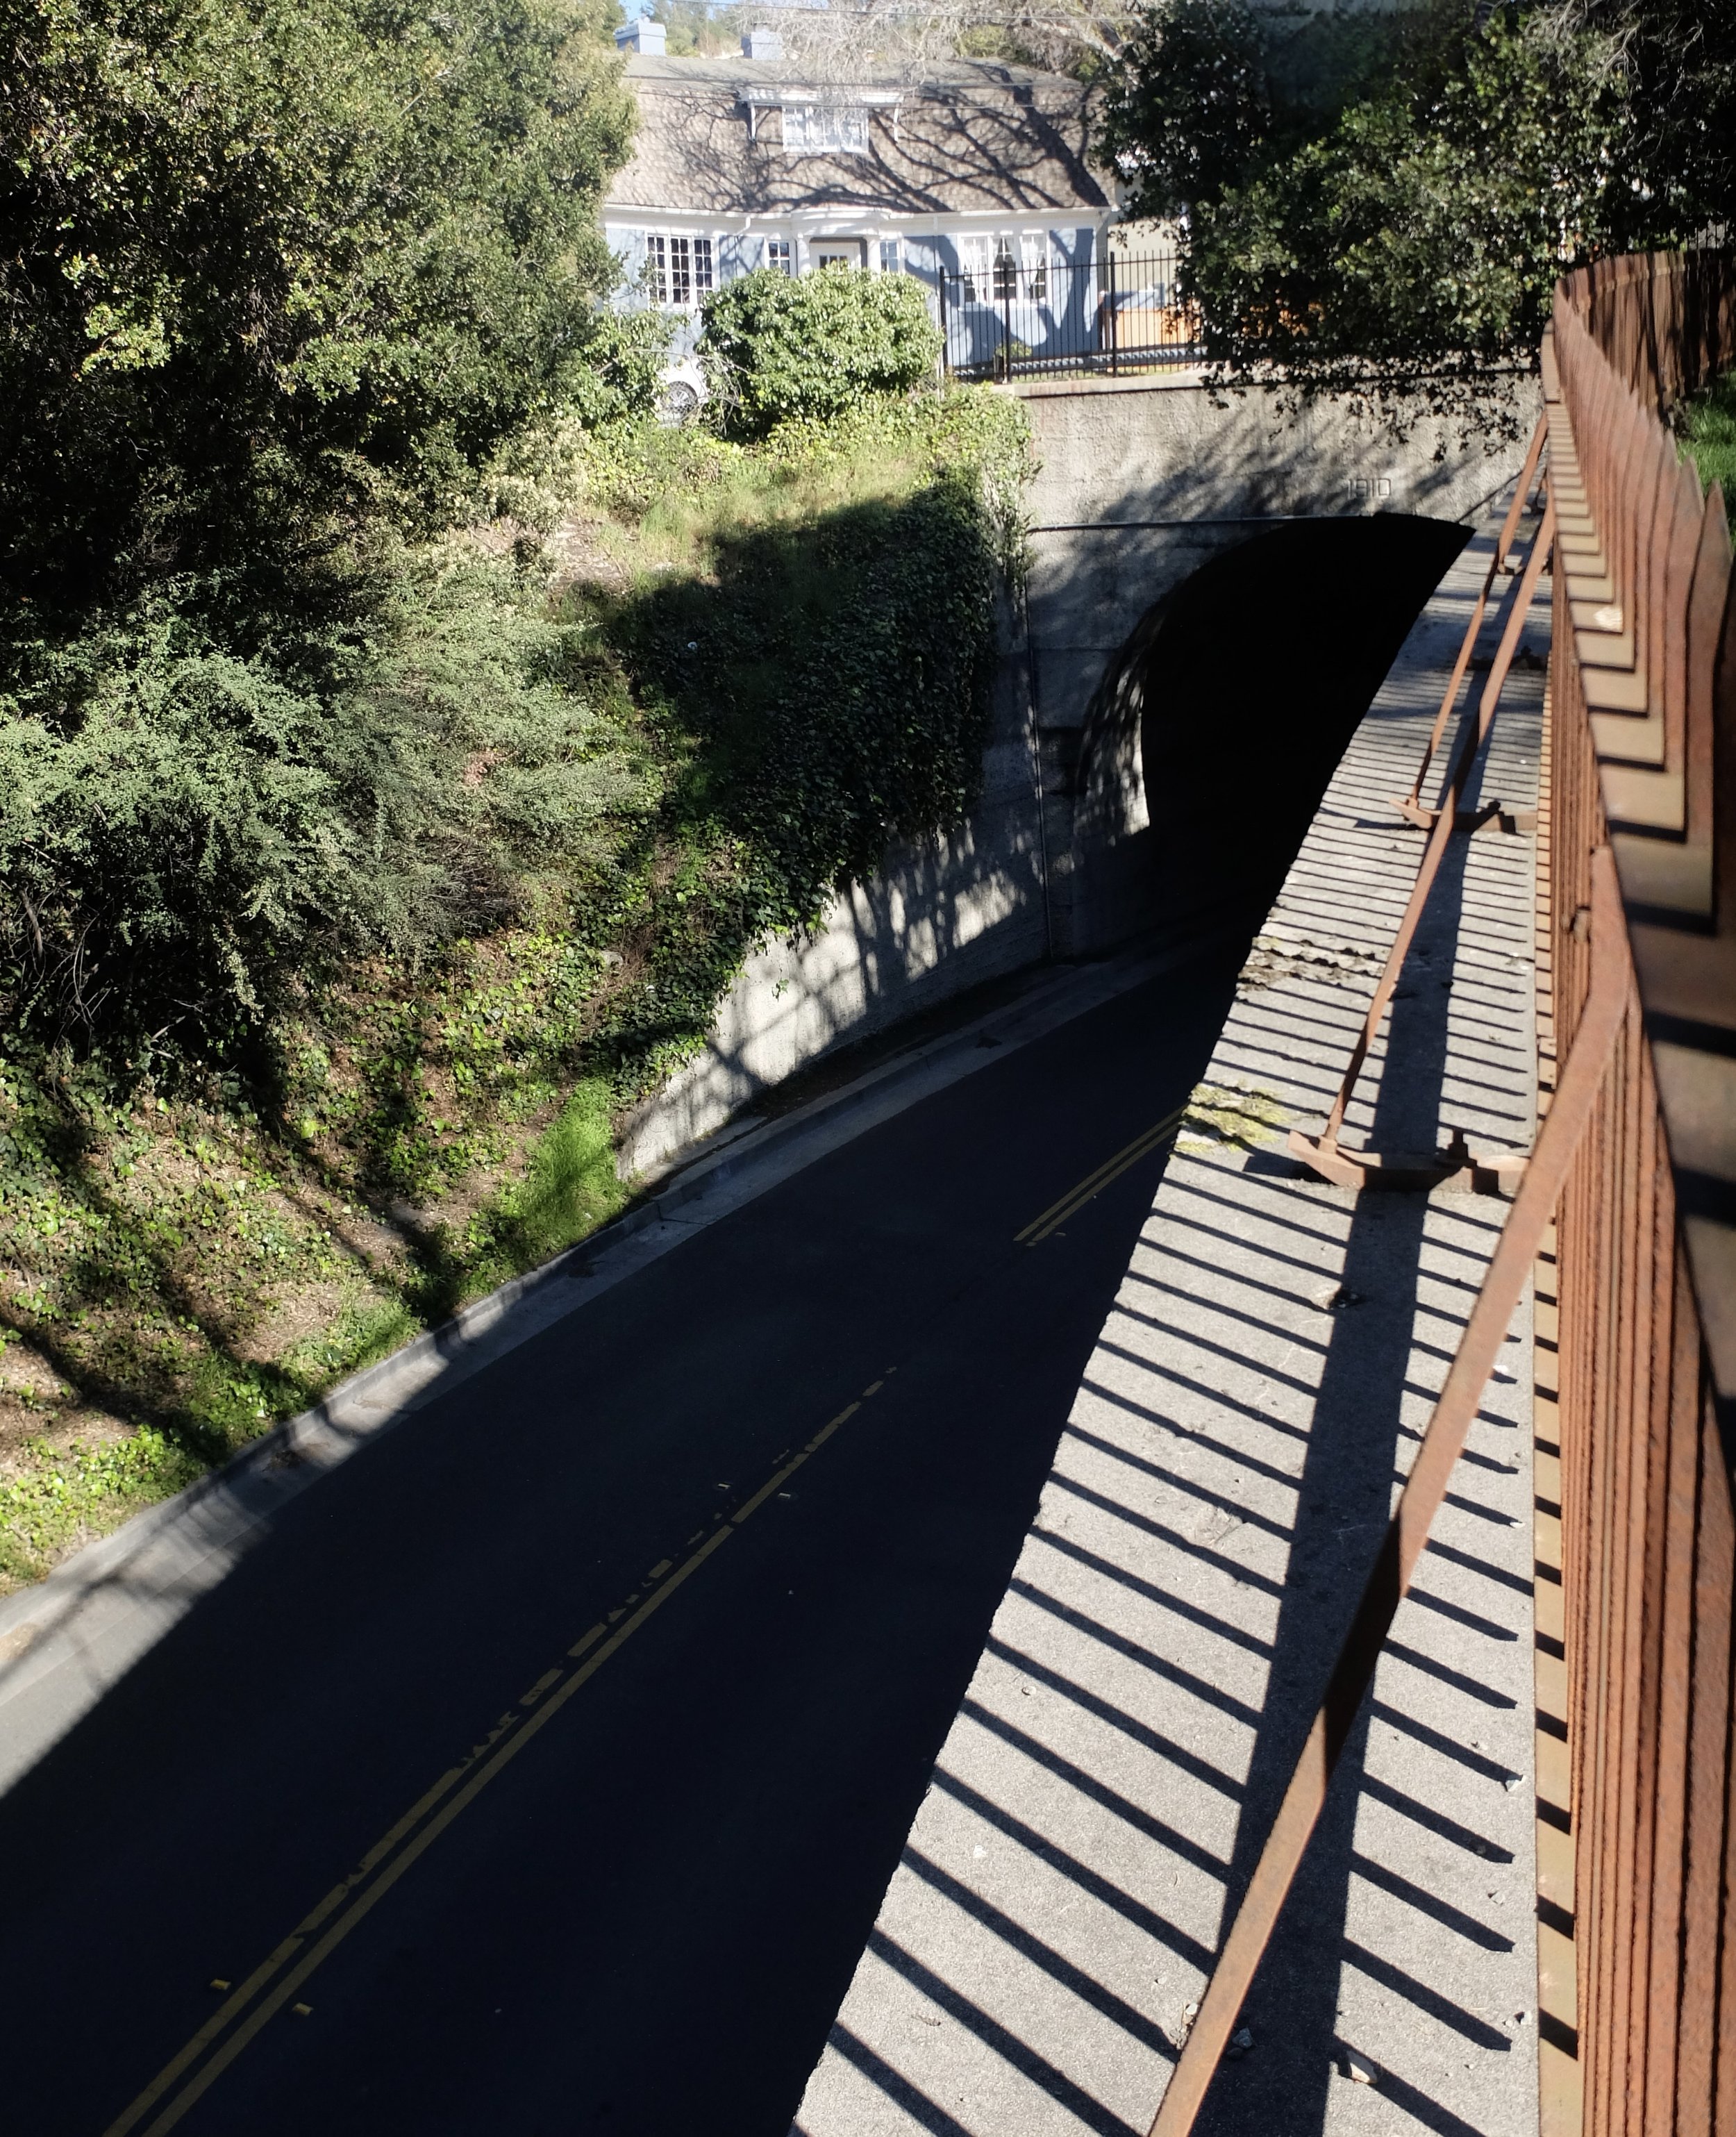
(1114,337)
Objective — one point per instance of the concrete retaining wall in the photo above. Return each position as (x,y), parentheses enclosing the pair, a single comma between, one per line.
(1143,479)
(939,918)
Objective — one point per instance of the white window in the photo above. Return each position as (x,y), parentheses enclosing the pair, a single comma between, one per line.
(1033,261)
(892,256)
(831,129)
(680,269)
(777,254)
(1006,270)
(974,267)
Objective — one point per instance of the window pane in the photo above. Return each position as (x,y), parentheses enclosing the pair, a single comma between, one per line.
(656,257)
(890,260)
(702,265)
(973,265)
(833,129)
(681,272)
(1006,271)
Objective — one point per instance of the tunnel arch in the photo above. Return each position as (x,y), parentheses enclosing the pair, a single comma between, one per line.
(1219,725)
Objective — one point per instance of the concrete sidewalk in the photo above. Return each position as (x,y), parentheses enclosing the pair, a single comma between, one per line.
(1254,1401)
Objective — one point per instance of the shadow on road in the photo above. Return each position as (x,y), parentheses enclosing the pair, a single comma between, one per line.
(647,1921)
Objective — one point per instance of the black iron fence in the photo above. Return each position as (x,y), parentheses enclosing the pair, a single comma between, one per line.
(1007,318)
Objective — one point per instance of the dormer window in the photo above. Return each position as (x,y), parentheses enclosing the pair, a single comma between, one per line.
(819,122)
(825,129)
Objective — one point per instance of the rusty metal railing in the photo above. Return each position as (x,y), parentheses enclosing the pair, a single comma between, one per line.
(1637,1944)
(1626,1211)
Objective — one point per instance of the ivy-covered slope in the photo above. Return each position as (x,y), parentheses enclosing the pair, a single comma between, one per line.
(746,668)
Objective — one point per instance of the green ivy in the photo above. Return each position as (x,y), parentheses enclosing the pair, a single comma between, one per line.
(70,1491)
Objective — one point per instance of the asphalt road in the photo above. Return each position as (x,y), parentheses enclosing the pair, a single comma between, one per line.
(542,1773)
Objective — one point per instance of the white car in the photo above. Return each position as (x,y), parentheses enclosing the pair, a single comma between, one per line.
(683,392)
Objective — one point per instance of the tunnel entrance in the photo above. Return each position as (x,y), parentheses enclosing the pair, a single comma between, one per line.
(1246,683)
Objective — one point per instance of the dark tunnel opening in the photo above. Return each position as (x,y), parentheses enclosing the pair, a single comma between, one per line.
(1247,681)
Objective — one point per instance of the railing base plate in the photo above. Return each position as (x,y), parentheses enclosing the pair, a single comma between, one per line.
(1457,1167)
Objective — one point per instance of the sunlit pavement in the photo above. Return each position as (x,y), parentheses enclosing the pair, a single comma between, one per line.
(1239,1435)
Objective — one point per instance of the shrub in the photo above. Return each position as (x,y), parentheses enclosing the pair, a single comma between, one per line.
(186,835)
(788,347)
(624,377)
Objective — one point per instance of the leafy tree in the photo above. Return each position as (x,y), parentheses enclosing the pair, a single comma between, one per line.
(1679,59)
(262,264)
(1412,229)
(1207,94)
(814,345)
(278,277)
(1423,234)
(1189,106)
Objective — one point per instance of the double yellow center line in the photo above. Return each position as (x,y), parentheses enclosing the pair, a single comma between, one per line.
(1076,1197)
(276,1981)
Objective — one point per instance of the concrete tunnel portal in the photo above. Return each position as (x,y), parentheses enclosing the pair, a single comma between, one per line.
(1233,699)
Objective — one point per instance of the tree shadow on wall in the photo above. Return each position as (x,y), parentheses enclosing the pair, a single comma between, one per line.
(823,690)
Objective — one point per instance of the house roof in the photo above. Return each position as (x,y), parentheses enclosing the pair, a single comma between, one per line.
(970,135)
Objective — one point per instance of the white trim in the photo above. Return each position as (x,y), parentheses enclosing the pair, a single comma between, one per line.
(823,221)
(881,99)
(618,237)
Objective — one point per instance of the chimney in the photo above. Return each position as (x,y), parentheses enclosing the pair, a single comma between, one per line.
(642,35)
(764,44)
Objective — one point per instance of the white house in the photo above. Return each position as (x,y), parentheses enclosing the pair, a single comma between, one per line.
(975,171)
